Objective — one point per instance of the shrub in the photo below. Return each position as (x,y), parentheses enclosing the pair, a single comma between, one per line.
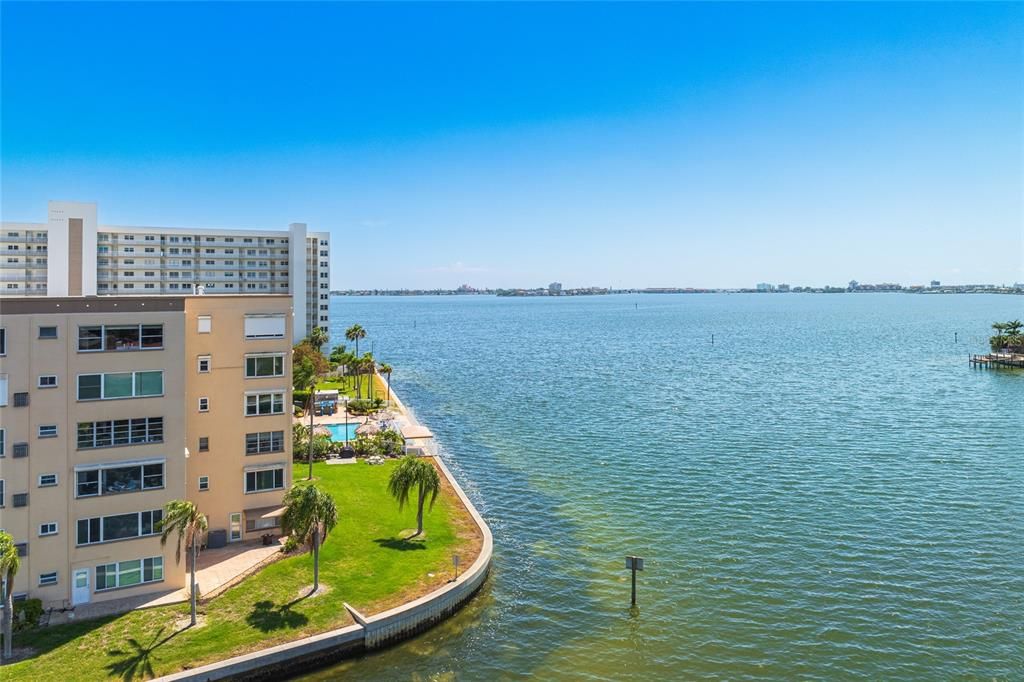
(27,614)
(291,544)
(300,398)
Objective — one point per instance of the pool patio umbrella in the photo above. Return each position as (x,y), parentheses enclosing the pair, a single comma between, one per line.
(367,429)
(321,430)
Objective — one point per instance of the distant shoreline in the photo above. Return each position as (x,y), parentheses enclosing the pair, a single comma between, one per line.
(535,293)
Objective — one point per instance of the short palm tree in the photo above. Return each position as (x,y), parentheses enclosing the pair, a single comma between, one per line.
(9,565)
(414,472)
(385,369)
(309,515)
(184,517)
(318,337)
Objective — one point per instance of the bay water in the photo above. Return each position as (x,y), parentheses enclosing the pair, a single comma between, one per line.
(826,491)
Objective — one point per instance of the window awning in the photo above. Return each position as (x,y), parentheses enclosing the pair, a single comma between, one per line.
(264,512)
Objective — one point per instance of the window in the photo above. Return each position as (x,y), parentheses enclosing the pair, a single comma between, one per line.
(120,385)
(204,482)
(20,450)
(48,381)
(204,404)
(203,364)
(106,434)
(47,430)
(252,525)
(47,578)
(3,442)
(264,403)
(19,499)
(205,323)
(264,326)
(263,442)
(121,337)
(204,444)
(3,390)
(118,527)
(128,573)
(22,548)
(264,365)
(1,493)
(3,341)
(47,332)
(264,479)
(116,479)
(47,480)
(20,399)
(49,528)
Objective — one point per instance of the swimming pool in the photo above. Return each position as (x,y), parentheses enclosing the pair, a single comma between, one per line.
(338,431)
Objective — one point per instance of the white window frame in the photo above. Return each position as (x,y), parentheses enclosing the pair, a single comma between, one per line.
(48,583)
(118,571)
(256,357)
(250,394)
(204,324)
(204,483)
(56,480)
(40,384)
(51,431)
(55,529)
(103,386)
(100,466)
(254,333)
(257,469)
(204,404)
(208,359)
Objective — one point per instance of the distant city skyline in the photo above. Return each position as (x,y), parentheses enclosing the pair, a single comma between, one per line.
(619,145)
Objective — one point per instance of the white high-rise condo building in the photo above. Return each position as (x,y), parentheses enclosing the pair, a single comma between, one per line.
(71,254)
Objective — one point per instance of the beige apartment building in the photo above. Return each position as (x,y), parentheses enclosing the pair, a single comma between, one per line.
(112,406)
(72,254)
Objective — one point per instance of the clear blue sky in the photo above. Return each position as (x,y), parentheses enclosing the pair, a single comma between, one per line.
(499,145)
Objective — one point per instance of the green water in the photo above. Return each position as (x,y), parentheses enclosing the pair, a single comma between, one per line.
(827,492)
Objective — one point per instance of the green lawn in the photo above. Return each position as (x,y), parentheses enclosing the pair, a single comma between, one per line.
(347,386)
(364,562)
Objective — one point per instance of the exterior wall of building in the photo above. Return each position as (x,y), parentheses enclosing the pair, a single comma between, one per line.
(129,260)
(221,419)
(29,357)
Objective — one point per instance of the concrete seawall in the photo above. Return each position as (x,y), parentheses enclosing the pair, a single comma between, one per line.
(373,632)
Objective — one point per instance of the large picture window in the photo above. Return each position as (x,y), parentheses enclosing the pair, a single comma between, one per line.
(264,366)
(264,479)
(121,337)
(263,442)
(128,573)
(118,527)
(107,434)
(264,403)
(116,479)
(120,385)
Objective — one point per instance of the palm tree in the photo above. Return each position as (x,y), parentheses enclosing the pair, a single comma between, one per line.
(312,398)
(318,337)
(190,523)
(310,514)
(413,472)
(369,366)
(9,565)
(385,369)
(354,333)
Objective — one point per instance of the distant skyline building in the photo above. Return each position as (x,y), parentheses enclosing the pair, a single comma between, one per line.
(765,286)
(555,288)
(73,254)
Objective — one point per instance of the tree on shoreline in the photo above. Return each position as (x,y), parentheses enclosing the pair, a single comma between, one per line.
(1008,336)
(9,565)
(310,514)
(317,338)
(190,523)
(385,369)
(413,472)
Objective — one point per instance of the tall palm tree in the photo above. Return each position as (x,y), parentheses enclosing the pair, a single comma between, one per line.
(369,366)
(385,369)
(354,333)
(9,565)
(318,337)
(190,523)
(413,472)
(312,399)
(310,514)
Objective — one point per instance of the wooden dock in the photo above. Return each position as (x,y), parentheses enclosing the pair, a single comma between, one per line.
(993,360)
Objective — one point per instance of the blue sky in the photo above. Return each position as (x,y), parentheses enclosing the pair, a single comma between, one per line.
(513,145)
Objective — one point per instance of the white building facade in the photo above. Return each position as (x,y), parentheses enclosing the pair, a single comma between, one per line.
(73,255)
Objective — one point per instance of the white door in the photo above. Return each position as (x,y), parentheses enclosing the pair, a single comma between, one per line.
(80,586)
(235,527)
